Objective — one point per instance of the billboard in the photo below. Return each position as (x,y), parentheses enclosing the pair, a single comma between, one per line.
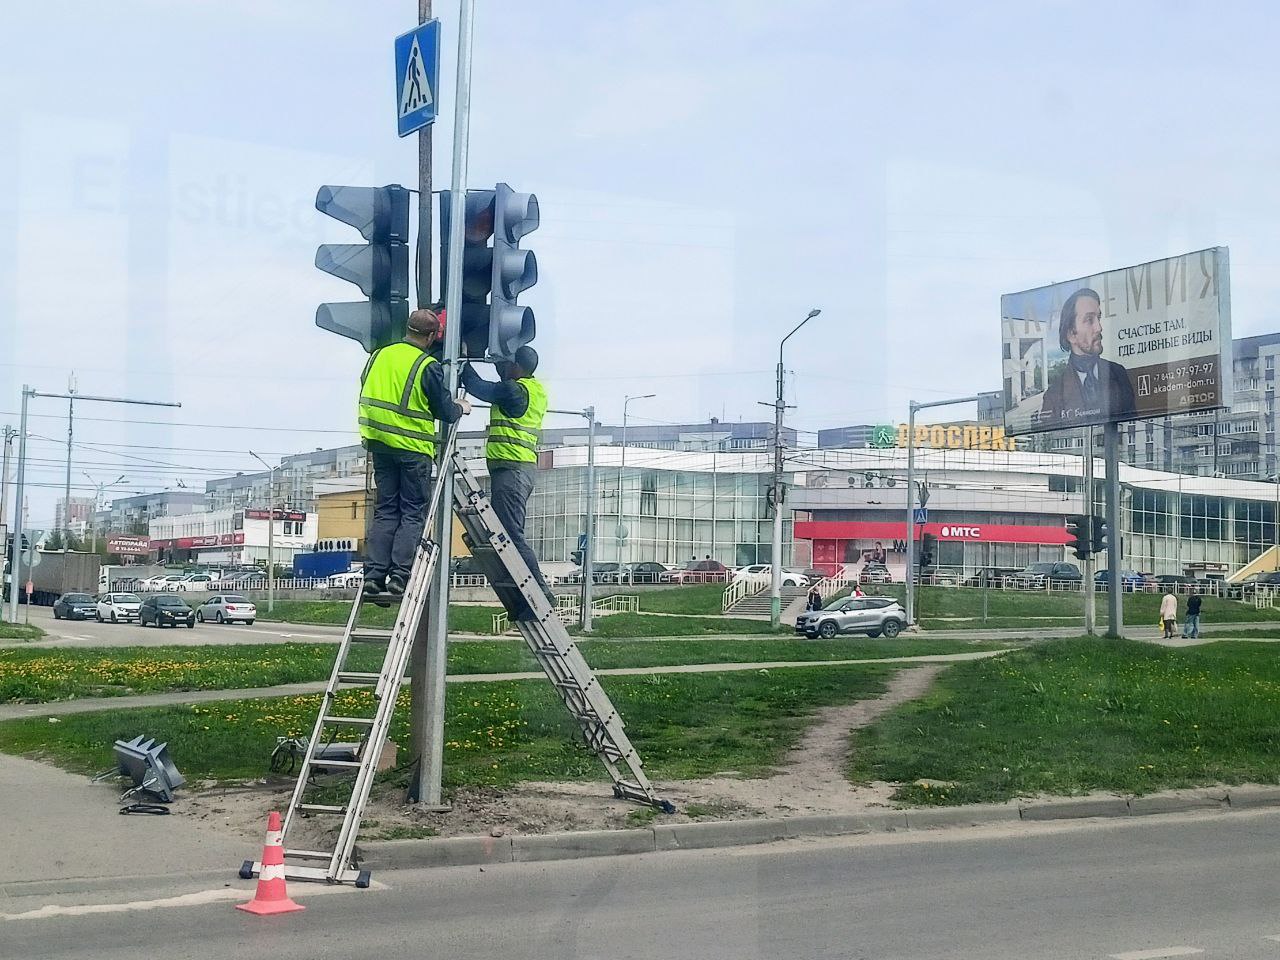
(128,546)
(1128,344)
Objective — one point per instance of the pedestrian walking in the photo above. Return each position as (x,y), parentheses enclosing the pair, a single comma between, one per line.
(1191,626)
(402,395)
(815,599)
(1169,614)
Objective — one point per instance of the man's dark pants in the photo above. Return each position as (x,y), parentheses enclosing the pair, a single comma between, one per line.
(404,484)
(509,494)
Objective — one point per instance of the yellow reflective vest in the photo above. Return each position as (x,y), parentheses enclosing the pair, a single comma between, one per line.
(517,439)
(393,408)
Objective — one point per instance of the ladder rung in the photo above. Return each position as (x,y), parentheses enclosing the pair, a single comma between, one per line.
(354,721)
(370,636)
(320,808)
(349,676)
(322,763)
(309,854)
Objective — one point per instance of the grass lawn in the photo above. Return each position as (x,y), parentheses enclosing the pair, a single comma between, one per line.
(496,733)
(18,631)
(462,618)
(1080,715)
(706,598)
(1035,607)
(39,676)
(641,625)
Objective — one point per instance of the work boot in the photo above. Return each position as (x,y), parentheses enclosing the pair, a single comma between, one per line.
(395,585)
(373,586)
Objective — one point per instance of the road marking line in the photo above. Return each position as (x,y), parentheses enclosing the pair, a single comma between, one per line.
(300,892)
(1275,938)
(1157,954)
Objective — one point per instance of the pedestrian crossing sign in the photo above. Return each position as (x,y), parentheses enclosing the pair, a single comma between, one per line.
(417,73)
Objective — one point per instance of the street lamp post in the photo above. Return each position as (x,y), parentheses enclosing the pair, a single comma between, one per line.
(97,505)
(775,559)
(271,532)
(621,469)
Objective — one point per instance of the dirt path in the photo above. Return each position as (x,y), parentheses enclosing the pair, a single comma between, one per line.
(810,780)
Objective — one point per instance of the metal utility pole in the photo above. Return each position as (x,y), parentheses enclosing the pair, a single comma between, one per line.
(16,558)
(909,579)
(424,194)
(9,434)
(588,553)
(428,714)
(775,557)
(625,537)
(1090,608)
(66,496)
(1111,450)
(97,505)
(271,532)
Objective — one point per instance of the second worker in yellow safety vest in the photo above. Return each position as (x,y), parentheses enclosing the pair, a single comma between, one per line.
(402,395)
(518,402)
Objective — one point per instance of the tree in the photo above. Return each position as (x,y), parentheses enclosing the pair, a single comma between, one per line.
(53,541)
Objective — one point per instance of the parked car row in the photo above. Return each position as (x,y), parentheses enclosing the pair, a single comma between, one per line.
(162,609)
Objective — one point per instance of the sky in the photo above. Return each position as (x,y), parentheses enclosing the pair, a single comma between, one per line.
(707,172)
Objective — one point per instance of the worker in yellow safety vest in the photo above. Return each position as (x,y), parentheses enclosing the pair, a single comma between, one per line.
(517,404)
(402,395)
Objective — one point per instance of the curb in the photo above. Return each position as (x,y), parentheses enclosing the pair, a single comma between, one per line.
(522,848)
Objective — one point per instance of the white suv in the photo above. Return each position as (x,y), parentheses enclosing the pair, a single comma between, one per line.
(118,606)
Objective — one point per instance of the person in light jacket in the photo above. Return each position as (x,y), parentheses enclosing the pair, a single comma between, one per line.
(1169,614)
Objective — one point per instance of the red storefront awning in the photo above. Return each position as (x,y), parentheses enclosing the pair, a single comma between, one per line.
(977,532)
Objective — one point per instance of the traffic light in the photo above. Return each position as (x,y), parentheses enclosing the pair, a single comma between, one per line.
(380,268)
(514,270)
(577,556)
(477,265)
(928,542)
(1099,534)
(1079,529)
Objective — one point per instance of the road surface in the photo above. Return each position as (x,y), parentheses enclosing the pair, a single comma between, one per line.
(1170,886)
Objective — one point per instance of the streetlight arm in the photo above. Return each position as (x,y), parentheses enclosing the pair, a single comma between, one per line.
(812,314)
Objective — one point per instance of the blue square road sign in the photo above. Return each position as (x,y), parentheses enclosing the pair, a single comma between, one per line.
(417,77)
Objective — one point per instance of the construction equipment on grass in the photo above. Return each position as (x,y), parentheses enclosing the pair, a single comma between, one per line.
(536,619)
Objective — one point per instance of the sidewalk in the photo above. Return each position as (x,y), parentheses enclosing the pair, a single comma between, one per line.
(58,826)
(62,708)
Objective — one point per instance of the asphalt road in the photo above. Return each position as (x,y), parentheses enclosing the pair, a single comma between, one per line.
(86,633)
(1169,886)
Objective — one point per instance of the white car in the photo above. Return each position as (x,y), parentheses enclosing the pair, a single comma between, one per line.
(227,608)
(118,607)
(195,581)
(762,571)
(161,583)
(352,578)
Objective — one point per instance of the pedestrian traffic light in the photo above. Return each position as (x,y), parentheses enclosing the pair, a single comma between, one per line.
(577,556)
(1099,534)
(477,265)
(1081,543)
(380,268)
(514,270)
(928,542)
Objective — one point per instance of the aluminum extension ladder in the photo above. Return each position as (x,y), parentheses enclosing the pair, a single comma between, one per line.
(536,619)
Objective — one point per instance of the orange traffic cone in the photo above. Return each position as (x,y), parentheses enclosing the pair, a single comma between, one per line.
(271,896)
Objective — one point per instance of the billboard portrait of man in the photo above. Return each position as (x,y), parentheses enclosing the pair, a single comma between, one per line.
(1087,388)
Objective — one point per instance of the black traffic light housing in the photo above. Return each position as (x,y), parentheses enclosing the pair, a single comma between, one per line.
(1100,533)
(1079,528)
(380,268)
(928,543)
(477,266)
